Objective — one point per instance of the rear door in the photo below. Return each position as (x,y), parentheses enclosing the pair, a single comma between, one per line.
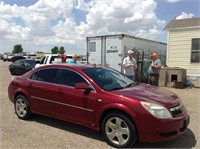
(113,53)
(74,105)
(42,88)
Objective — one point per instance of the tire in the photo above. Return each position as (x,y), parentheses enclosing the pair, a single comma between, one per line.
(22,108)
(118,130)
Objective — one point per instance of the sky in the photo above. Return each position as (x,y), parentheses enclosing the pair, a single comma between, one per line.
(40,25)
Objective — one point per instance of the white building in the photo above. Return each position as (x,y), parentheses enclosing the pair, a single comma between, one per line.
(183,49)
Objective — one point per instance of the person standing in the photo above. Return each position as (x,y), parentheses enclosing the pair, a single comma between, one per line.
(129,64)
(154,70)
(63,58)
(73,60)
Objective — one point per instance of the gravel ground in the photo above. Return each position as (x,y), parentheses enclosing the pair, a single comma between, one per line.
(42,132)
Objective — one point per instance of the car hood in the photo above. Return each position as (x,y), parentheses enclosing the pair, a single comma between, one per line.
(149,93)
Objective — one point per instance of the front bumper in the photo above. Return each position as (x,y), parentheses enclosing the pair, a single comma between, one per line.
(163,129)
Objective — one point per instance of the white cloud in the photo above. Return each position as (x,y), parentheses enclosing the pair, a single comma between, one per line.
(185,16)
(53,23)
(123,17)
(173,1)
(81,5)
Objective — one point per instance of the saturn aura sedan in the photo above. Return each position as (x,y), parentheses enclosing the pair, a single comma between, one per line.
(102,99)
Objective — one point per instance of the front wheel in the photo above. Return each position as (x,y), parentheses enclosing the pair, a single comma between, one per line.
(22,108)
(118,130)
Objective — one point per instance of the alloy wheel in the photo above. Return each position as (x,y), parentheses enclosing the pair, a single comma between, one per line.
(21,107)
(117,131)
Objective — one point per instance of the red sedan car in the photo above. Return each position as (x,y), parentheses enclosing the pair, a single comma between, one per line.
(102,99)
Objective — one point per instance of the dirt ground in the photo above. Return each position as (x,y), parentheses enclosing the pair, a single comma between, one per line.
(43,132)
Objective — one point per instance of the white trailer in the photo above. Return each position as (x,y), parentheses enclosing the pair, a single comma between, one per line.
(110,50)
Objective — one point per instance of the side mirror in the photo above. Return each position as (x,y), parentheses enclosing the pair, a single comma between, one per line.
(83,85)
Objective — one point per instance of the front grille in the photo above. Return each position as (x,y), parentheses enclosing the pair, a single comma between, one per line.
(176,111)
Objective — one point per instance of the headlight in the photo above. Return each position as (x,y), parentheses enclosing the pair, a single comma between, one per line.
(156,110)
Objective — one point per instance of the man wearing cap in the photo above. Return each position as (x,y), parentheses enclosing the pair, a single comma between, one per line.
(130,65)
(154,70)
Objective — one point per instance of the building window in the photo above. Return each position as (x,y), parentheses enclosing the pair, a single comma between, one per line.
(195,52)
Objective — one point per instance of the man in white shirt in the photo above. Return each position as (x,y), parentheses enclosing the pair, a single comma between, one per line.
(130,65)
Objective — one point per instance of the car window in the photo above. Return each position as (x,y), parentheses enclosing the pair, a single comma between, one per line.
(21,63)
(34,76)
(45,75)
(42,61)
(108,79)
(31,62)
(70,78)
(52,59)
(18,62)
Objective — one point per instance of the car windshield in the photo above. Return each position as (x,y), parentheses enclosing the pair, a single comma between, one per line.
(109,79)
(31,62)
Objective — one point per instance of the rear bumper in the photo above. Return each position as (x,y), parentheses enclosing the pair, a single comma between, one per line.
(11,93)
(164,129)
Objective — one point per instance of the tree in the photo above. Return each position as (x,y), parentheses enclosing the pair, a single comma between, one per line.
(55,50)
(18,48)
(62,50)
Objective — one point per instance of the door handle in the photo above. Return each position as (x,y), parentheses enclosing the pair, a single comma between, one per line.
(30,85)
(60,91)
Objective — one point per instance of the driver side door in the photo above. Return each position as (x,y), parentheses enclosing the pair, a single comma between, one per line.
(75,105)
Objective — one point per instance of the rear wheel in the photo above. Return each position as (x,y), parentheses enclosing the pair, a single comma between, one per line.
(119,130)
(22,108)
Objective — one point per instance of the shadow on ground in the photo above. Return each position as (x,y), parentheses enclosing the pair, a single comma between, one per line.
(67,126)
(187,140)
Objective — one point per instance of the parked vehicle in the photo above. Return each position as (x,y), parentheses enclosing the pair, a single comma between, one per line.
(52,59)
(7,57)
(21,66)
(100,98)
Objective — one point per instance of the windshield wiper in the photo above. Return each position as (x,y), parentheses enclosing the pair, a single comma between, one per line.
(117,88)
(130,85)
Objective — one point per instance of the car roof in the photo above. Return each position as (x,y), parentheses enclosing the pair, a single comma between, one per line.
(51,54)
(17,56)
(25,60)
(28,59)
(72,66)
